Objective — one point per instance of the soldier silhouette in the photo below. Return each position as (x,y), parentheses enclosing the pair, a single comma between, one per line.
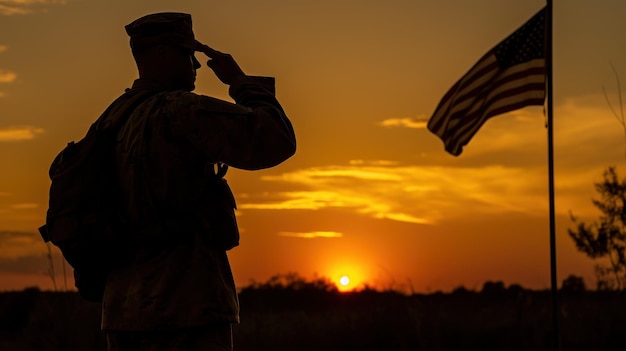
(177,292)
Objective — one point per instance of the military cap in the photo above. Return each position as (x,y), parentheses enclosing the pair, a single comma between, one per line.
(171,28)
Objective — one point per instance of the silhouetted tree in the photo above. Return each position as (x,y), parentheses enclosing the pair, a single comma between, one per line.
(461,291)
(606,238)
(515,290)
(493,288)
(294,282)
(573,284)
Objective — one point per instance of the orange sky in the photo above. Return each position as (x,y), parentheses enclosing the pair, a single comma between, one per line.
(370,194)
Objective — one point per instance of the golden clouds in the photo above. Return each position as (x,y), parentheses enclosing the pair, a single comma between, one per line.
(25,7)
(373,163)
(19,244)
(7,76)
(11,134)
(302,200)
(410,194)
(9,10)
(312,235)
(407,122)
(25,206)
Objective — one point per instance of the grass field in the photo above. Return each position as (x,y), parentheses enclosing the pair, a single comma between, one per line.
(315,317)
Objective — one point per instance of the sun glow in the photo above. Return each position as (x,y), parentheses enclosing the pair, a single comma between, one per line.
(344,283)
(344,280)
(348,277)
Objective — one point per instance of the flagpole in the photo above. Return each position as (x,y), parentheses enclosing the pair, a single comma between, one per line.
(550,108)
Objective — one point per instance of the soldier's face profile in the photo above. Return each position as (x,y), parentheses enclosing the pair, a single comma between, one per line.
(181,67)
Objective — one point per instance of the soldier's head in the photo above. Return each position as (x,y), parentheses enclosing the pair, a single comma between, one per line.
(163,46)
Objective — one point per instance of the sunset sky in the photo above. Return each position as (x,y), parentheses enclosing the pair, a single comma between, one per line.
(371,193)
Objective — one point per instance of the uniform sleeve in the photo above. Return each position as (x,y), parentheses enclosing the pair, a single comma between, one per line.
(252,133)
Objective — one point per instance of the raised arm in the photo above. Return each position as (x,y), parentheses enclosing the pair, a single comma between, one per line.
(253,133)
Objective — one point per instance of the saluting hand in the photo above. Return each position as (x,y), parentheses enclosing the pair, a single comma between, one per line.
(224,66)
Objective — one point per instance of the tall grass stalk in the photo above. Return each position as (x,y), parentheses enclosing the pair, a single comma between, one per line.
(51,272)
(64,276)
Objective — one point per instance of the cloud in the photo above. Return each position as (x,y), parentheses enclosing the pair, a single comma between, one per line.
(373,162)
(363,203)
(418,122)
(25,265)
(25,7)
(2,94)
(25,206)
(33,2)
(312,235)
(408,193)
(11,134)
(7,76)
(14,244)
(12,10)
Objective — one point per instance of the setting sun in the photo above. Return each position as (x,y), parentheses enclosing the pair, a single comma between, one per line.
(348,273)
(344,281)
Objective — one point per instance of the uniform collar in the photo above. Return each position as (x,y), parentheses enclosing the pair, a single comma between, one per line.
(143,83)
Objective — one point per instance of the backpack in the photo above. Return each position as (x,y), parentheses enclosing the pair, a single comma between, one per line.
(83,218)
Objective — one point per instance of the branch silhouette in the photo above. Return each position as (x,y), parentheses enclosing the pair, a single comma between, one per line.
(619,116)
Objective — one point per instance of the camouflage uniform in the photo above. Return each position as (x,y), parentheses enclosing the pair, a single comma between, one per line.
(182,210)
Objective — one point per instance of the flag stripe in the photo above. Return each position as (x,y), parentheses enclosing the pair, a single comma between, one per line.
(504,104)
(508,77)
(506,85)
(530,97)
(533,94)
(530,68)
(514,73)
(487,69)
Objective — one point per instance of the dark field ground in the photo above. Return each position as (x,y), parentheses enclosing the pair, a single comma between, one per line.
(315,317)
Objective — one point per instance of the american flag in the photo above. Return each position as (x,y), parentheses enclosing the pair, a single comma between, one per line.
(508,77)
